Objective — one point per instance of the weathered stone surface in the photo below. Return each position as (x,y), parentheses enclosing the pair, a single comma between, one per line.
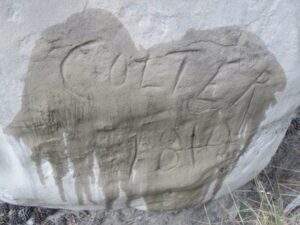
(149,24)
(164,124)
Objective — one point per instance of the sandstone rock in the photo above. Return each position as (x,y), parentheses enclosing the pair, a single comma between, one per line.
(104,124)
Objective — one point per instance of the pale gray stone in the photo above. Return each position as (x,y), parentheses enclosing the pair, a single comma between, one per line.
(164,124)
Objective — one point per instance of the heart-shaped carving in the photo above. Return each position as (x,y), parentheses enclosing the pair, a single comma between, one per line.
(162,123)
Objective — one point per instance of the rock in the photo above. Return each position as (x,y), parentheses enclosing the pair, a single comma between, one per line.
(171,115)
(103,124)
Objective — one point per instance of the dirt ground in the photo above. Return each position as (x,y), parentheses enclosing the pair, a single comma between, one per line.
(280,180)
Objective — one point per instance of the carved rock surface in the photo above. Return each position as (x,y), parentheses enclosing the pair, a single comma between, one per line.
(105,124)
(161,124)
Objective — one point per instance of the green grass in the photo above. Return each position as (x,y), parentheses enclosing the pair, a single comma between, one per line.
(264,207)
(268,209)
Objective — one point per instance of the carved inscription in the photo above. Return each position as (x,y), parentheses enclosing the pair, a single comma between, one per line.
(161,123)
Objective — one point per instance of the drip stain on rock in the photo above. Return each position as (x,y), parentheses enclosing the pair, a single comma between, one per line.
(160,124)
